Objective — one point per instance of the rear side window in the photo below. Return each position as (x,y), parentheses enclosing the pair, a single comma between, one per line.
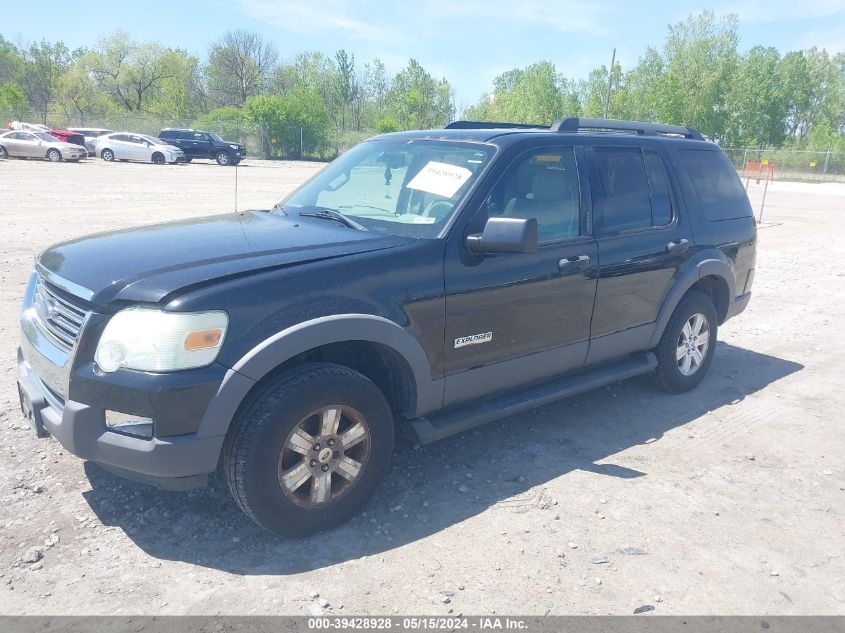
(715,190)
(661,201)
(624,195)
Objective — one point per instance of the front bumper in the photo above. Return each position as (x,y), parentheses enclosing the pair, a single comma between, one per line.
(177,462)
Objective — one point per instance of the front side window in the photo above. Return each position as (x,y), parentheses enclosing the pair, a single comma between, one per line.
(541,184)
(400,187)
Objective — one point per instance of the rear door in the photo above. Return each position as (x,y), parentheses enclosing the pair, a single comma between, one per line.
(201,145)
(644,239)
(517,318)
(120,146)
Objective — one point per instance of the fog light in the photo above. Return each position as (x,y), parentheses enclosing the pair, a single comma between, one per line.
(129,424)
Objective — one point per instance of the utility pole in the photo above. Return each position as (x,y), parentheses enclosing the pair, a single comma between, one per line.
(609,83)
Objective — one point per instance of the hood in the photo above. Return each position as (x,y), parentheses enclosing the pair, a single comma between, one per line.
(153,263)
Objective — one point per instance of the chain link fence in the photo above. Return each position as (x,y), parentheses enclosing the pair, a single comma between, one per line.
(309,143)
(262,141)
(789,164)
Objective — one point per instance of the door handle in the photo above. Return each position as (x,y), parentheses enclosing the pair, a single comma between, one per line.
(576,262)
(678,246)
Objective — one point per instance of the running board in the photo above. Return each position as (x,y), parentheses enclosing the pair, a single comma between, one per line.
(466,417)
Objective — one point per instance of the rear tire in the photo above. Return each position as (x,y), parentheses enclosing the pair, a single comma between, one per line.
(54,155)
(107,155)
(223,159)
(307,449)
(3,152)
(686,348)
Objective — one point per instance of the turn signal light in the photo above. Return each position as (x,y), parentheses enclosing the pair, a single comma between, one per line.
(203,339)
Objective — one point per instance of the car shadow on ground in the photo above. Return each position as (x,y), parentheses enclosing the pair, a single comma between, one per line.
(506,461)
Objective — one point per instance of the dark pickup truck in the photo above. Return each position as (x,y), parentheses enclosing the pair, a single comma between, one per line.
(429,281)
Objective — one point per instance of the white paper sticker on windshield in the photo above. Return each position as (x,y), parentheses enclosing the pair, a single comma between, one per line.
(441,179)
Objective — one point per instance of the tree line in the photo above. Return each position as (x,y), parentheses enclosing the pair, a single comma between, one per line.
(698,78)
(310,101)
(757,98)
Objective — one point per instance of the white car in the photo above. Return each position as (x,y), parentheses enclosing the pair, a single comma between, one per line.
(137,147)
(91,135)
(26,144)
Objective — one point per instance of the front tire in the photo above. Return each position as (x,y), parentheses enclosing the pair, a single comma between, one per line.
(158,158)
(686,348)
(223,159)
(3,152)
(54,156)
(308,448)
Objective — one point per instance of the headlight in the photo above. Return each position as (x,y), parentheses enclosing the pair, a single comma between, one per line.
(153,340)
(234,146)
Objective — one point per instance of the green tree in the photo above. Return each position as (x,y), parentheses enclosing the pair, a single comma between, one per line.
(132,74)
(534,94)
(78,94)
(416,100)
(239,66)
(755,101)
(43,65)
(294,124)
(12,101)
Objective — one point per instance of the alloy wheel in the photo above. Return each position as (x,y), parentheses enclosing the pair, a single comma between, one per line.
(693,343)
(324,456)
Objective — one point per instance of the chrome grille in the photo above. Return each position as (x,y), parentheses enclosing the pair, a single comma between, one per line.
(61,318)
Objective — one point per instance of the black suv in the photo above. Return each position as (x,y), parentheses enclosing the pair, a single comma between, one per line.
(199,144)
(430,281)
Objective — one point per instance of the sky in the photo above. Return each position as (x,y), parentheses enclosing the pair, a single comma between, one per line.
(467,41)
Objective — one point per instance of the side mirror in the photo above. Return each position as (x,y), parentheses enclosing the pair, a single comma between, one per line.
(505,235)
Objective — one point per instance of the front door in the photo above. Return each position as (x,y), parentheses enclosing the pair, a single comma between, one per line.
(518,318)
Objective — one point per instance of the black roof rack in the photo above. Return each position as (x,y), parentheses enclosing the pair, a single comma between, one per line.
(487,125)
(575,124)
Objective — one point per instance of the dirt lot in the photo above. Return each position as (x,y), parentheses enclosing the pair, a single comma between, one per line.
(733,494)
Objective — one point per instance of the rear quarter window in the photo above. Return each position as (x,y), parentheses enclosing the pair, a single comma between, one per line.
(714,188)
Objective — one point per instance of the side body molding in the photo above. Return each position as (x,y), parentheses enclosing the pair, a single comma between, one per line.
(299,338)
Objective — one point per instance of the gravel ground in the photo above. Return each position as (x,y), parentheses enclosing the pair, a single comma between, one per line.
(725,500)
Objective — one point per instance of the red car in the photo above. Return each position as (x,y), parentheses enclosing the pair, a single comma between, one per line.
(68,137)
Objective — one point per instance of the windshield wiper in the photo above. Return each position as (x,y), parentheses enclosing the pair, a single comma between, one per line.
(331,214)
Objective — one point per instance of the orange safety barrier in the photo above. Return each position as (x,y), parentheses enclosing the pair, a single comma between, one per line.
(759,170)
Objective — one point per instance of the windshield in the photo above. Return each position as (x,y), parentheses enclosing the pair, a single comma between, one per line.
(153,140)
(401,187)
(216,137)
(46,137)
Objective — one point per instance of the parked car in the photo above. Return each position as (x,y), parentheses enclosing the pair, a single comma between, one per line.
(137,147)
(425,280)
(199,144)
(65,136)
(90,135)
(23,144)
